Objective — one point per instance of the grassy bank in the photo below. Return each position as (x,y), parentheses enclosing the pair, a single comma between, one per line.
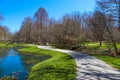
(6,45)
(11,45)
(59,67)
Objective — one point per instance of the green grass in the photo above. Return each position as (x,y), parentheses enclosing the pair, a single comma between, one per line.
(4,45)
(10,45)
(93,47)
(96,45)
(113,61)
(59,67)
(118,45)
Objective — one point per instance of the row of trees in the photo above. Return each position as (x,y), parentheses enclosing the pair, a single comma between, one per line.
(5,35)
(74,29)
(41,30)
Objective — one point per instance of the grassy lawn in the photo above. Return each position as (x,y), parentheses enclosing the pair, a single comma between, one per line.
(93,45)
(4,45)
(59,67)
(7,45)
(94,48)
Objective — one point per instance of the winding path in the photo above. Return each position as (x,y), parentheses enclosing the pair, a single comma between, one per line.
(89,67)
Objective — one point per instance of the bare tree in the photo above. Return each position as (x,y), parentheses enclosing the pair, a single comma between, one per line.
(40,18)
(97,22)
(109,24)
(110,7)
(16,37)
(26,30)
(5,35)
(111,10)
(71,28)
(85,25)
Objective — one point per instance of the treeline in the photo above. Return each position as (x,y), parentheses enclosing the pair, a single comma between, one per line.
(74,29)
(5,35)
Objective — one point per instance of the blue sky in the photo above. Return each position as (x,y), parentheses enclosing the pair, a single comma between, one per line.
(14,11)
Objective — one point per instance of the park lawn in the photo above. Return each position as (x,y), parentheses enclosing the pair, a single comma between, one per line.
(11,45)
(60,66)
(118,45)
(94,45)
(113,61)
(4,45)
(100,49)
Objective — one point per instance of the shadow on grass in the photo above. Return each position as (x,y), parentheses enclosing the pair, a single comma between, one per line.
(51,73)
(65,70)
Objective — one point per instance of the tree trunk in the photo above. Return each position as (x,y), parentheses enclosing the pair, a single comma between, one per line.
(115,48)
(113,41)
(100,43)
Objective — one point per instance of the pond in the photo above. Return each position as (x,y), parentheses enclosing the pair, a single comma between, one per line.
(18,65)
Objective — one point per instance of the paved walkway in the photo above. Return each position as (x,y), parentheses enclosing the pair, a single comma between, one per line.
(89,67)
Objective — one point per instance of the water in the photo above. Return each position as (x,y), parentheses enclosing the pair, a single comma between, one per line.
(13,63)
